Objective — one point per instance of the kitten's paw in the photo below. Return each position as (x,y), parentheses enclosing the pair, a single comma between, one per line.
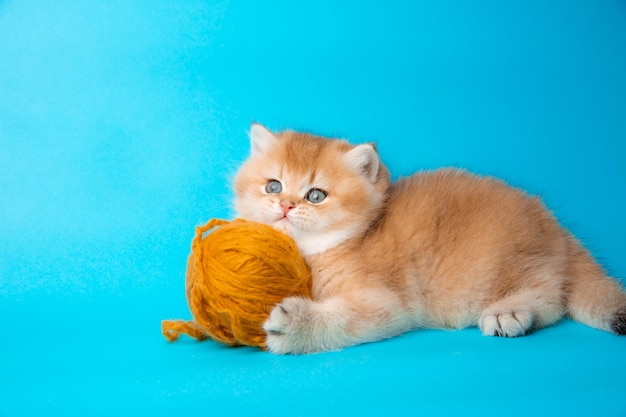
(287,326)
(509,324)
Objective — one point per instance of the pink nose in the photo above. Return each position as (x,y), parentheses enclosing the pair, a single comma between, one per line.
(287,206)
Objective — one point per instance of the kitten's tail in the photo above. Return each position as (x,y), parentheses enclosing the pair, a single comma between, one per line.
(594,298)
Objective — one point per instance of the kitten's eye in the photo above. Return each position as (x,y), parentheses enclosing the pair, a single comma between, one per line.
(316,196)
(273,187)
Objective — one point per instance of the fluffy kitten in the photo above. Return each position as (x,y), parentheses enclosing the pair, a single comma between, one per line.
(443,249)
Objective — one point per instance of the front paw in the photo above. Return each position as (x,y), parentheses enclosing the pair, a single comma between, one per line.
(287,326)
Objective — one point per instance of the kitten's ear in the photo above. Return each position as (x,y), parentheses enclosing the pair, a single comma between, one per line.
(364,159)
(261,139)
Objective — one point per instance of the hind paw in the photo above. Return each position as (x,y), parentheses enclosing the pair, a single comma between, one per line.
(509,324)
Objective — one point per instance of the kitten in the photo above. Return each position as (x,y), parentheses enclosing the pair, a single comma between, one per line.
(442,249)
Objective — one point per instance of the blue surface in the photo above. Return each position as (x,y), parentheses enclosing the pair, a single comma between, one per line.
(122,123)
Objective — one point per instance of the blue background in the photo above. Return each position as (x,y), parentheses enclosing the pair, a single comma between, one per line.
(122,123)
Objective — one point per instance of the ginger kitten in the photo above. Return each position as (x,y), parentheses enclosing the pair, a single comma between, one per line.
(443,249)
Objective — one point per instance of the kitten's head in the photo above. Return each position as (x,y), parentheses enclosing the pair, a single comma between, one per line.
(319,191)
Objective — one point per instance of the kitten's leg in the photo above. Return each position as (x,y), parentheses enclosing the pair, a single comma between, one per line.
(300,325)
(516,314)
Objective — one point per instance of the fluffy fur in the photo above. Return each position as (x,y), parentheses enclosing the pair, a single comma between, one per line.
(443,249)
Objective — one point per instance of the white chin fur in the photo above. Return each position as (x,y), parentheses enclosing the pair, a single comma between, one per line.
(312,244)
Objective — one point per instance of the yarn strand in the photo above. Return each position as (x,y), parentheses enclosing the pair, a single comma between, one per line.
(172,329)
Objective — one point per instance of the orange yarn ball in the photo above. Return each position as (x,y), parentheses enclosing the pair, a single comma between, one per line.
(235,275)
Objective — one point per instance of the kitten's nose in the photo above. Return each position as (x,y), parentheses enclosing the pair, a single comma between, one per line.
(287,206)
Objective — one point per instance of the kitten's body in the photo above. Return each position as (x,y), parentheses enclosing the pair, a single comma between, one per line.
(442,249)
